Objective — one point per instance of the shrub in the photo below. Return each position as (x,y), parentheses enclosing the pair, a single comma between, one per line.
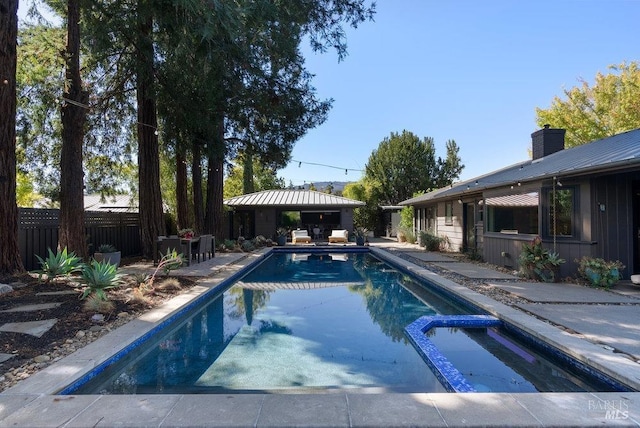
(599,272)
(259,241)
(430,242)
(95,304)
(247,246)
(229,244)
(99,277)
(409,236)
(539,263)
(107,248)
(169,261)
(168,284)
(59,264)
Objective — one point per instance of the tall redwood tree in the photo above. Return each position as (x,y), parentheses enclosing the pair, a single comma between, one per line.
(10,261)
(74,113)
(150,197)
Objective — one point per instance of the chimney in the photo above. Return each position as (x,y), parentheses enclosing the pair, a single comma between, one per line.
(547,141)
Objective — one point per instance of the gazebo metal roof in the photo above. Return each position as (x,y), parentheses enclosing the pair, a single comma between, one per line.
(291,198)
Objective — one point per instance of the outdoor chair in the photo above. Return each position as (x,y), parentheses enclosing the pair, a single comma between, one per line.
(169,244)
(211,246)
(339,235)
(200,248)
(300,236)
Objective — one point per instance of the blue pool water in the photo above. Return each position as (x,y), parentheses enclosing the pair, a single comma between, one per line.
(323,321)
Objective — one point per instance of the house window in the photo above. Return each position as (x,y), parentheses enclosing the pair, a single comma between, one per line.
(513,214)
(431,219)
(561,204)
(448,213)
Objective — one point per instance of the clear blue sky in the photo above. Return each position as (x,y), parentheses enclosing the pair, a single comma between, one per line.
(472,71)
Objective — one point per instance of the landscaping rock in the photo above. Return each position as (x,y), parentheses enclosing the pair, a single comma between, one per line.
(5,288)
(41,358)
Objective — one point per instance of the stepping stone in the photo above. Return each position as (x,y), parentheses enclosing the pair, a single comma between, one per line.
(32,308)
(474,271)
(56,293)
(34,328)
(430,256)
(5,357)
(556,292)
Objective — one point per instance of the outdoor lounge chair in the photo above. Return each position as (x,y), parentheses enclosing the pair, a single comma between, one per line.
(300,236)
(339,235)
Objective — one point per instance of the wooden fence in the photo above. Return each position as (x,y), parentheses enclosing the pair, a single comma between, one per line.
(38,231)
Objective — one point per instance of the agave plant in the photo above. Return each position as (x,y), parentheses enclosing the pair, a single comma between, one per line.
(99,277)
(59,264)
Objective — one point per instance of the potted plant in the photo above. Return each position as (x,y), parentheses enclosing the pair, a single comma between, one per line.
(108,253)
(186,233)
(281,236)
(539,263)
(360,233)
(599,272)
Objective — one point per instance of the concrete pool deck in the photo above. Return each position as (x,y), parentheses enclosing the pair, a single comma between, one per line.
(32,403)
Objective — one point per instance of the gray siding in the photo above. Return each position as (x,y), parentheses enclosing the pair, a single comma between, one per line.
(613,227)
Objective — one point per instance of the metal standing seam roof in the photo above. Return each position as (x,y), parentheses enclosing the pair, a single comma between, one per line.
(114,203)
(289,198)
(607,154)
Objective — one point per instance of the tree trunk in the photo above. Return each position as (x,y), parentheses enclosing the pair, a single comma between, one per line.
(196,176)
(215,177)
(150,197)
(247,172)
(10,261)
(181,189)
(72,229)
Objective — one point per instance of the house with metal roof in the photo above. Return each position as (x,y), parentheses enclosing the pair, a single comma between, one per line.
(582,201)
(261,213)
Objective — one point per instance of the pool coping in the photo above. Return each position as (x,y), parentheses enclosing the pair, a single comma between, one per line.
(32,401)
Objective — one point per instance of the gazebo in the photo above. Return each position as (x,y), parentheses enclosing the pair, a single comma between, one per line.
(261,213)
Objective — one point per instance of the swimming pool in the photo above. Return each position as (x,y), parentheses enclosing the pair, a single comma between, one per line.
(322,321)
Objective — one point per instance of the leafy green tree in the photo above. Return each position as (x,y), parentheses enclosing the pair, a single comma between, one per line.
(403,164)
(263,178)
(108,141)
(590,113)
(449,169)
(40,84)
(10,261)
(369,215)
(26,196)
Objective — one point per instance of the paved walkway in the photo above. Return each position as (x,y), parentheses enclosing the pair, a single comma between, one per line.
(601,328)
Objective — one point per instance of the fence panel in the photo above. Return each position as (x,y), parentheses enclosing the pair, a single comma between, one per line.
(38,231)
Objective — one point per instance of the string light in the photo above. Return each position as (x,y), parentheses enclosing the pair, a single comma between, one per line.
(155,130)
(106,116)
(75,103)
(346,170)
